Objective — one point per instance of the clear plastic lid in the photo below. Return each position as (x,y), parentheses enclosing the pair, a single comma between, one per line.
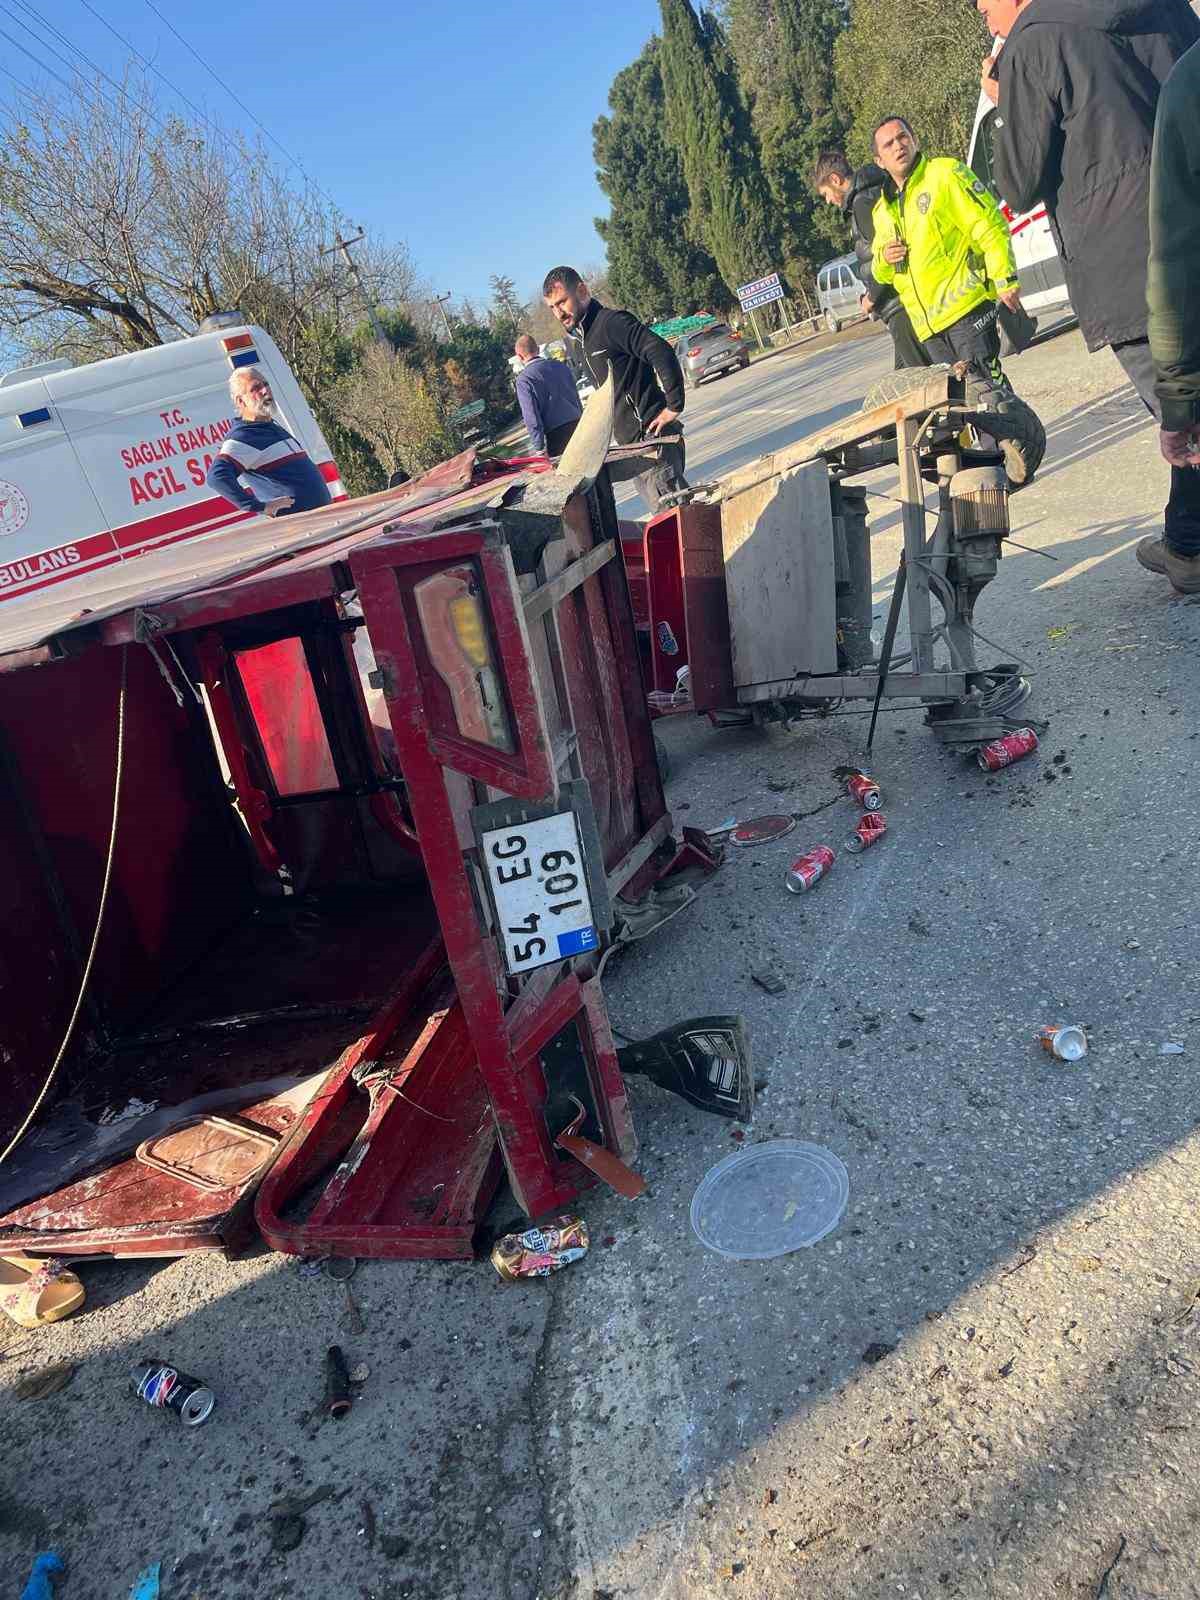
(769,1199)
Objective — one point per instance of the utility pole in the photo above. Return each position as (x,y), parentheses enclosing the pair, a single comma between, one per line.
(343,245)
(440,301)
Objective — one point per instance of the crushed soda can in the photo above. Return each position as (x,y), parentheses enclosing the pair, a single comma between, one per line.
(872,825)
(1003,752)
(165,1387)
(862,787)
(808,870)
(1067,1043)
(538,1252)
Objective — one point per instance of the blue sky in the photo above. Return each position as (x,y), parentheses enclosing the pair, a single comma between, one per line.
(463,128)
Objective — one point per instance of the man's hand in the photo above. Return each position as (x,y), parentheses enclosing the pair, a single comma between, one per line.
(866,303)
(895,251)
(274,508)
(988,81)
(1181,449)
(662,420)
(1010,298)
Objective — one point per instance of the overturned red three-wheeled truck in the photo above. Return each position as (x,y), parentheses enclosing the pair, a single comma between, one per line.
(314,835)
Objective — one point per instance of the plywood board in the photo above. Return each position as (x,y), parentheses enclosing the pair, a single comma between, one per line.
(777,541)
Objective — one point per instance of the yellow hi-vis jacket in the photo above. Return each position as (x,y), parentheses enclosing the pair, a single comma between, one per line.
(960,252)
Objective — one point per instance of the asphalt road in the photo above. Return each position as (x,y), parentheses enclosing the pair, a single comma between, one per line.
(983,1383)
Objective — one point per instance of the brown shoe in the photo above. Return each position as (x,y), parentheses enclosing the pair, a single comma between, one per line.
(1152,554)
(1184,572)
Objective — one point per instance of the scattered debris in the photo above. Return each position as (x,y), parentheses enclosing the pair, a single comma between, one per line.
(1066,1041)
(41,1385)
(860,786)
(769,1497)
(761,830)
(808,870)
(1170,1048)
(1003,752)
(1090,1263)
(872,826)
(340,1268)
(1005,1370)
(46,1567)
(1114,1553)
(287,1518)
(875,1353)
(337,1384)
(917,1016)
(368,1517)
(166,1388)
(733,1569)
(918,925)
(354,1317)
(1030,1255)
(769,1199)
(538,1252)
(360,1373)
(1133,944)
(1191,1295)
(146,1584)
(392,1545)
(770,980)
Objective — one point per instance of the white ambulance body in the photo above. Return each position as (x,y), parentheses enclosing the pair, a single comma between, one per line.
(1039,265)
(101,463)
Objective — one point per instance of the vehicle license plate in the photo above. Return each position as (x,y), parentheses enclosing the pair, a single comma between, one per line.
(539,891)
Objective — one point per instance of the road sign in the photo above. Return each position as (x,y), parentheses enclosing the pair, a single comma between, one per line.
(759,286)
(751,302)
(475,409)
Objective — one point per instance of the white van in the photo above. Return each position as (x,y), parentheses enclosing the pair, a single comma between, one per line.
(839,290)
(103,462)
(1039,265)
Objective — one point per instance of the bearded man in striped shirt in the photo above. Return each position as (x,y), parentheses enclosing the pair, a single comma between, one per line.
(261,467)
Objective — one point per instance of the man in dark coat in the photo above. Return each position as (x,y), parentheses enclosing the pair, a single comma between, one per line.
(1076,84)
(647,379)
(1173,295)
(855,194)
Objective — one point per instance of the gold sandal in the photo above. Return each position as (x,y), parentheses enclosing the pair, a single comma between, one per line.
(34,1292)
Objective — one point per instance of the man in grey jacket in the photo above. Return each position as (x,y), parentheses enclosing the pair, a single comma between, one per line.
(548,398)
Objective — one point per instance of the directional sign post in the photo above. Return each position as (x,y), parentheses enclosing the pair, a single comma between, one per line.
(759,293)
(465,413)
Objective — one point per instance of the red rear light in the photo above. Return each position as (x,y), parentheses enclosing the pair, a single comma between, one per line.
(694,351)
(239,341)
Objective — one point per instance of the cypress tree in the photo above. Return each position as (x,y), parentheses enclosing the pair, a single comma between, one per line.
(655,266)
(784,51)
(709,124)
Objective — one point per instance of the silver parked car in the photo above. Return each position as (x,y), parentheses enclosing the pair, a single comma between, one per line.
(839,289)
(710,350)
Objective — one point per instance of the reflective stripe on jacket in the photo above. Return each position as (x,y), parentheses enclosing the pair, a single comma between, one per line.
(959,250)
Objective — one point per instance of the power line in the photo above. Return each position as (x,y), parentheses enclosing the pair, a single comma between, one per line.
(126,99)
(132,48)
(37,61)
(167,23)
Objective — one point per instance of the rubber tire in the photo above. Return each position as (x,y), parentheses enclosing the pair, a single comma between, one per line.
(1014,425)
(832,323)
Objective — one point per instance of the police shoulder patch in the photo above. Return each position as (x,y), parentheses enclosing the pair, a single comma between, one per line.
(924,201)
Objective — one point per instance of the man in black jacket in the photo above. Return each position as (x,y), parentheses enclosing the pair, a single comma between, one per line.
(1076,85)
(855,194)
(647,380)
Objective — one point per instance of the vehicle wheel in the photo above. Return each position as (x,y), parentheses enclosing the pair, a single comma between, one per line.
(895,385)
(689,380)
(1015,426)
(742,365)
(832,323)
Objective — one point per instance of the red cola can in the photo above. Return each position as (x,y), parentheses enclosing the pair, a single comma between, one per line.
(871,826)
(808,870)
(865,790)
(1003,752)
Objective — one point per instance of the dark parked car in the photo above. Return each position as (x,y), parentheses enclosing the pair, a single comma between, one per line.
(710,350)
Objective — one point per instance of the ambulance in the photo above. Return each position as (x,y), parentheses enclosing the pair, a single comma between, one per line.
(1039,265)
(101,463)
